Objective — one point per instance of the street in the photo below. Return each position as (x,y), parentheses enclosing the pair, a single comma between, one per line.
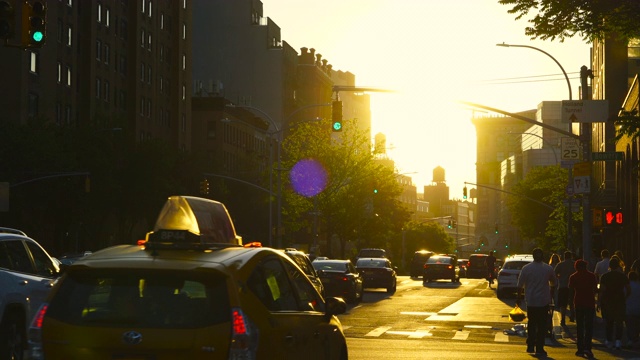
(444,320)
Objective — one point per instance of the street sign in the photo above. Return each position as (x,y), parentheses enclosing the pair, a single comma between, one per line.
(582,184)
(584,111)
(607,156)
(570,148)
(582,169)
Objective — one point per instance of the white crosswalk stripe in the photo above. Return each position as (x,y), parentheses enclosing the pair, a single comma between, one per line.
(378,331)
(461,335)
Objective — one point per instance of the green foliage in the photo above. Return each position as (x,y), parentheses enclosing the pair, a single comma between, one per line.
(427,236)
(590,19)
(545,226)
(628,125)
(347,207)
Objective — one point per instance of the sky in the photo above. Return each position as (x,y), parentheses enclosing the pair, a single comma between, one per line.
(433,54)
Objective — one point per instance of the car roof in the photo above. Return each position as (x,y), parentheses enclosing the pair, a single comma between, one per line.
(528,257)
(6,230)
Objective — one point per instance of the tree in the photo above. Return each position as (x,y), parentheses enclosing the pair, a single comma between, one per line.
(591,19)
(546,226)
(330,188)
(427,236)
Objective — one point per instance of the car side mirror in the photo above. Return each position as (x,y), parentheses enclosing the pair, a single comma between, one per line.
(335,306)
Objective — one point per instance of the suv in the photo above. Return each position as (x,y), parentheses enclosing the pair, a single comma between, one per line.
(371,253)
(417,262)
(26,274)
(476,268)
(184,295)
(508,275)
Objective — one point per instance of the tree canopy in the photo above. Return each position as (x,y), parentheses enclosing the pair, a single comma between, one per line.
(590,19)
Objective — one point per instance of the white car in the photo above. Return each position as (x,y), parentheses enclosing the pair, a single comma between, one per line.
(26,275)
(509,273)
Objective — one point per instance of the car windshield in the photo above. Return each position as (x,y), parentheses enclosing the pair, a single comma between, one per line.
(141,298)
(515,265)
(330,265)
(372,263)
(477,261)
(439,260)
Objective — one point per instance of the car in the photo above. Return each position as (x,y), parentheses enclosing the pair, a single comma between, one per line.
(371,253)
(68,259)
(185,294)
(340,278)
(463,264)
(441,267)
(26,276)
(302,260)
(477,269)
(509,273)
(377,273)
(417,262)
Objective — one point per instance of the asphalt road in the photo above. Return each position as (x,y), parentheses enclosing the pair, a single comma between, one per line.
(444,320)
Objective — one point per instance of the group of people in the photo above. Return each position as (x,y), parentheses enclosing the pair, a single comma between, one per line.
(610,288)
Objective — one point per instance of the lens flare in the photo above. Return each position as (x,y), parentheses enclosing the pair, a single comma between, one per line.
(308,177)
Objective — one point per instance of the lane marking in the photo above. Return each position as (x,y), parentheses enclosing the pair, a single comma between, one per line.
(345,327)
(501,337)
(418,334)
(461,335)
(378,331)
(417,313)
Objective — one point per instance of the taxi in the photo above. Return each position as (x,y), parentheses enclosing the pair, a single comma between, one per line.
(191,290)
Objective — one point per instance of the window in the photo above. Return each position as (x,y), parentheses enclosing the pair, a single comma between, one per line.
(144,4)
(142,38)
(142,102)
(184,61)
(148,107)
(184,4)
(68,76)
(99,14)
(106,53)
(14,256)
(107,17)
(149,9)
(106,91)
(184,31)
(69,36)
(98,50)
(184,93)
(183,123)
(161,81)
(69,3)
(161,21)
(149,42)
(98,87)
(270,283)
(149,74)
(33,62)
(44,266)
(142,72)
(161,53)
(59,74)
(67,115)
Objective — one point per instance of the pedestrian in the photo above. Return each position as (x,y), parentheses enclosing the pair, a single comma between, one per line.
(563,270)
(553,261)
(618,253)
(614,289)
(585,287)
(603,265)
(537,279)
(490,262)
(634,266)
(633,311)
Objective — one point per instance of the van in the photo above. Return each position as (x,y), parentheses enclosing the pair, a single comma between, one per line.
(477,268)
(417,262)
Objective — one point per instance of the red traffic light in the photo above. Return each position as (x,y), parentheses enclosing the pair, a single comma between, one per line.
(613,217)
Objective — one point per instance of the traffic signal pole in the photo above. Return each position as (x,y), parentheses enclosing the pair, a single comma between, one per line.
(585,132)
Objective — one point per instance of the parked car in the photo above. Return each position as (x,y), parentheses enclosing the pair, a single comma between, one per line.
(463,264)
(508,275)
(417,262)
(371,253)
(377,273)
(441,267)
(302,260)
(186,295)
(26,275)
(477,268)
(340,278)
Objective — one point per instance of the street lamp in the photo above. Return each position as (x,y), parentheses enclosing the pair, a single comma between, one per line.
(549,55)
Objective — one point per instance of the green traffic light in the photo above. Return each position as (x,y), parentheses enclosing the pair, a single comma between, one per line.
(37,36)
(337,126)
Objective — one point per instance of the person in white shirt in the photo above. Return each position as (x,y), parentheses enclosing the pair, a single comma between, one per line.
(602,266)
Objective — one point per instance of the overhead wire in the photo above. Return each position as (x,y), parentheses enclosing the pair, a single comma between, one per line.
(525,79)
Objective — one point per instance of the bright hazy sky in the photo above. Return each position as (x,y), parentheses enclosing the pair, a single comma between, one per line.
(433,53)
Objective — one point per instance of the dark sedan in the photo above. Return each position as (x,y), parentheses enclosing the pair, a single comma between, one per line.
(441,267)
(340,279)
(377,273)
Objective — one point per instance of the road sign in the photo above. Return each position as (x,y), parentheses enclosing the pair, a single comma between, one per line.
(582,169)
(582,184)
(607,156)
(584,111)
(570,148)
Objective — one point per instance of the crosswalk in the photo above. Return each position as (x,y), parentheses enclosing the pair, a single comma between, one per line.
(471,333)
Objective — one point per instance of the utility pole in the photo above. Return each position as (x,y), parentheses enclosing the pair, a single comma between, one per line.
(585,130)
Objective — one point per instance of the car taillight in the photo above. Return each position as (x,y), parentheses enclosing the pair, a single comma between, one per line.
(426,266)
(449,267)
(35,333)
(244,338)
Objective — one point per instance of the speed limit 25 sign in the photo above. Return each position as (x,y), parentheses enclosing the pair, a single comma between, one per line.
(570,148)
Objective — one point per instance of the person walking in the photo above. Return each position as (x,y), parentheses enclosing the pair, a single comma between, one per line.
(585,287)
(490,261)
(537,279)
(633,311)
(614,289)
(618,253)
(603,265)
(563,271)
(553,261)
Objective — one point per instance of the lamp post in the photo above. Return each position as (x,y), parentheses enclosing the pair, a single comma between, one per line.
(549,55)
(278,132)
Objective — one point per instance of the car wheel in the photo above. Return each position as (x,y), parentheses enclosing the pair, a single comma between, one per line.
(392,289)
(12,341)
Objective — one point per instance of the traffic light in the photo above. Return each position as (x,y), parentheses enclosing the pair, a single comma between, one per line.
(34,23)
(496,228)
(7,20)
(336,116)
(464,192)
(204,187)
(613,218)
(450,224)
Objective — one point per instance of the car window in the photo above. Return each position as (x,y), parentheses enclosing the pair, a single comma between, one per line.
(371,263)
(515,265)
(14,256)
(307,295)
(270,283)
(335,266)
(303,263)
(155,299)
(439,260)
(476,261)
(44,265)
